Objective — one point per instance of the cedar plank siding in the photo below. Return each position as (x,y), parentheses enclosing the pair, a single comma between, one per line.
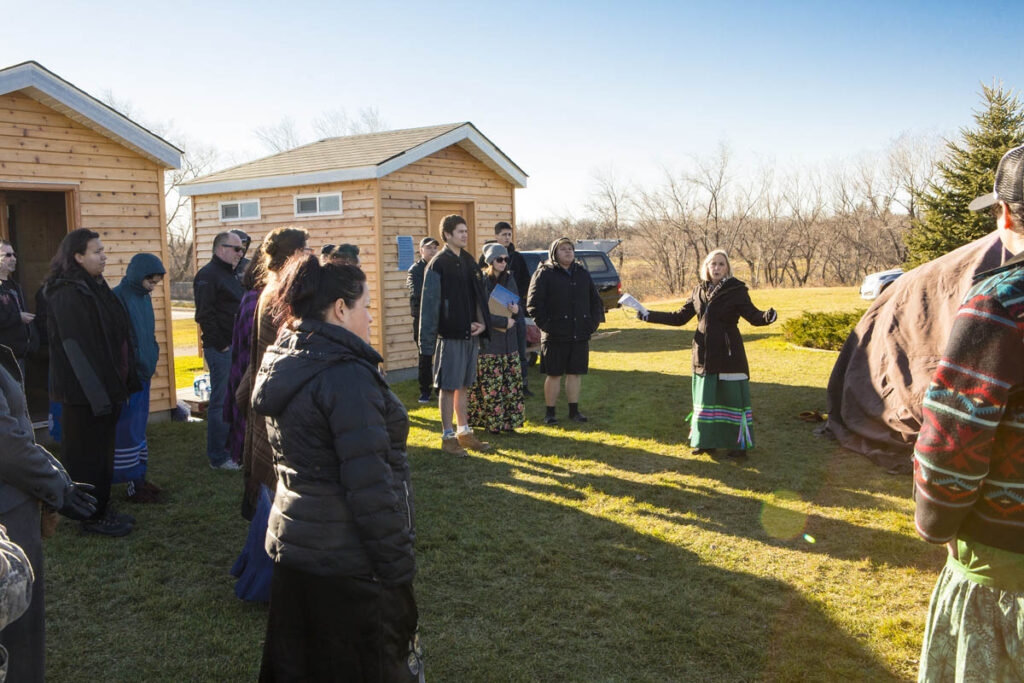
(355,225)
(451,173)
(120,196)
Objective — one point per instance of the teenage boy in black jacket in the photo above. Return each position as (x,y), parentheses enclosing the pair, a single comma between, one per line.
(15,321)
(452,310)
(217,294)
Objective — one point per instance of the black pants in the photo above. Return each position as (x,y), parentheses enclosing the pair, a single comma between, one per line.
(426,374)
(87,449)
(332,628)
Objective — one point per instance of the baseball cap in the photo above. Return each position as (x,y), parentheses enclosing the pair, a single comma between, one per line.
(428,240)
(1009,186)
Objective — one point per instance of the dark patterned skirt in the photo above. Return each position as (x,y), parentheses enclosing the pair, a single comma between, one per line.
(496,400)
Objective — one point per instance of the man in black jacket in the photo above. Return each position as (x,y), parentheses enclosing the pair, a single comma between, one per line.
(15,320)
(217,294)
(521,274)
(452,307)
(414,282)
(564,303)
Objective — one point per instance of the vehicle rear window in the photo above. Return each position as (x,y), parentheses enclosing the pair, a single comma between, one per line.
(594,263)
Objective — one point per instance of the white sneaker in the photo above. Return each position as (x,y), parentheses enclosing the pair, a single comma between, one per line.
(228,464)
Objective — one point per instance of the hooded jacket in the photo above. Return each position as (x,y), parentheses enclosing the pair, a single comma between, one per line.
(717,344)
(564,301)
(91,357)
(27,470)
(139,304)
(343,505)
(452,299)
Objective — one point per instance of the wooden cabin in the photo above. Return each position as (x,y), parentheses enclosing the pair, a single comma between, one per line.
(367,190)
(69,161)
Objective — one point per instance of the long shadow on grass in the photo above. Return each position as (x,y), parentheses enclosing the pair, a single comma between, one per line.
(521,583)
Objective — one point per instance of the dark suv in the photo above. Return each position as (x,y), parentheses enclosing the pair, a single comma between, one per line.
(602,272)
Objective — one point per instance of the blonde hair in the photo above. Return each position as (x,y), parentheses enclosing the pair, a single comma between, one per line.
(704,275)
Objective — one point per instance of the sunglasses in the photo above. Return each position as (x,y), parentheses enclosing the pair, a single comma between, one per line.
(500,259)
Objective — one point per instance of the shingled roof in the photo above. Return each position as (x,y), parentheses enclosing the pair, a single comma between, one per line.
(356,157)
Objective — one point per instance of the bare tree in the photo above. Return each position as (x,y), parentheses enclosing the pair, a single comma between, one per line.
(336,123)
(611,204)
(279,137)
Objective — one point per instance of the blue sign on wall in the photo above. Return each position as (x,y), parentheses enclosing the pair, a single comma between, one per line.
(406,252)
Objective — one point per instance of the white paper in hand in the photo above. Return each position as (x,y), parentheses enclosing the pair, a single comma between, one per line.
(630,301)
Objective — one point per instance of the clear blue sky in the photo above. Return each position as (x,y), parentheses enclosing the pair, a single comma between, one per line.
(562,88)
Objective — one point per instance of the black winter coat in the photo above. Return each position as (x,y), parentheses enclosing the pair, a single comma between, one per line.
(451,300)
(717,344)
(503,340)
(91,357)
(343,505)
(414,283)
(217,293)
(13,332)
(564,303)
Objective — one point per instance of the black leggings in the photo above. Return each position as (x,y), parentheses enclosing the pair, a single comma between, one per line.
(87,449)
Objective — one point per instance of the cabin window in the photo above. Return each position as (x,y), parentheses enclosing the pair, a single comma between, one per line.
(318,204)
(240,211)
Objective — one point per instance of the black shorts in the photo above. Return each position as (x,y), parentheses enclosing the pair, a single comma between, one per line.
(565,358)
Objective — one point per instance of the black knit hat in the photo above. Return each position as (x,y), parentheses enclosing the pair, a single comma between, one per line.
(1009,185)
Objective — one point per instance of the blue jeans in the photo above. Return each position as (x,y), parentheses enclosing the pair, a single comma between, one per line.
(219,363)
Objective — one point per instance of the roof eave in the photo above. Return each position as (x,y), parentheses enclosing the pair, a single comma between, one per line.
(46,87)
(268,182)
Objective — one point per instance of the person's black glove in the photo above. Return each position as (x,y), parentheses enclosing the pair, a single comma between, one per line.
(79,503)
(772,315)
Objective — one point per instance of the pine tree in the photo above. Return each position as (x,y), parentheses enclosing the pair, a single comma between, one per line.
(967,171)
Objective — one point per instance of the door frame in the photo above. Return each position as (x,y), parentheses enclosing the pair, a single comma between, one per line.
(72,203)
(435,230)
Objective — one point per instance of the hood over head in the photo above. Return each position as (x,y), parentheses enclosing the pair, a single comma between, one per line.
(554,246)
(139,268)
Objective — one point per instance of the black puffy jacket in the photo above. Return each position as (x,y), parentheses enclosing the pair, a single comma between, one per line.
(564,303)
(217,295)
(717,344)
(343,505)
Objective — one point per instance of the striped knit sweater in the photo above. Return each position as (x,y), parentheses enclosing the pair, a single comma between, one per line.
(969,456)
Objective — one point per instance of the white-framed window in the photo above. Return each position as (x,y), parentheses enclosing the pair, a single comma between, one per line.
(241,210)
(318,204)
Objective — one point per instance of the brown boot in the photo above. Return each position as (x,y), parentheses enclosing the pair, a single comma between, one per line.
(469,440)
(451,447)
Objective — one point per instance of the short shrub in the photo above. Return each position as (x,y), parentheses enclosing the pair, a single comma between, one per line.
(821,330)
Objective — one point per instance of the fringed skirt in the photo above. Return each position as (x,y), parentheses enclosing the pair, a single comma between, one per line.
(722,416)
(496,400)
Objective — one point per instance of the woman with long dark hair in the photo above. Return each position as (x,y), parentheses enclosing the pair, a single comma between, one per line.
(496,400)
(92,368)
(341,530)
(722,416)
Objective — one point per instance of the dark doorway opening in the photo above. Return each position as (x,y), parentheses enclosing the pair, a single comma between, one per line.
(34,222)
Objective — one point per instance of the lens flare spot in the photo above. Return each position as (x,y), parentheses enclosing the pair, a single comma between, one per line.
(780,522)
(809,538)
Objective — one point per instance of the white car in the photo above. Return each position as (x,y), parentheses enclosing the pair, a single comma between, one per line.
(876,283)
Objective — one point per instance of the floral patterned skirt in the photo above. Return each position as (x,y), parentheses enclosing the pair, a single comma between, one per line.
(496,400)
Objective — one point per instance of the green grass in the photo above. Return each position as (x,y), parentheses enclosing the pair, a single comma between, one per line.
(598,552)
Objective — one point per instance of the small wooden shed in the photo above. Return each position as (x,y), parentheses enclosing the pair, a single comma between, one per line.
(69,161)
(367,190)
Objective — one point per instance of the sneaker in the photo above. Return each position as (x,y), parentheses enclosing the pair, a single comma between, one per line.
(550,420)
(424,397)
(450,445)
(469,440)
(122,517)
(228,464)
(579,417)
(107,525)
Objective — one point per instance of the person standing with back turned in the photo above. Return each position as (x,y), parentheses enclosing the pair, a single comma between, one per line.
(218,294)
(969,466)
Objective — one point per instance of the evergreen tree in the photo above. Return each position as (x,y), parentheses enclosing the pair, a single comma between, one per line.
(967,171)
